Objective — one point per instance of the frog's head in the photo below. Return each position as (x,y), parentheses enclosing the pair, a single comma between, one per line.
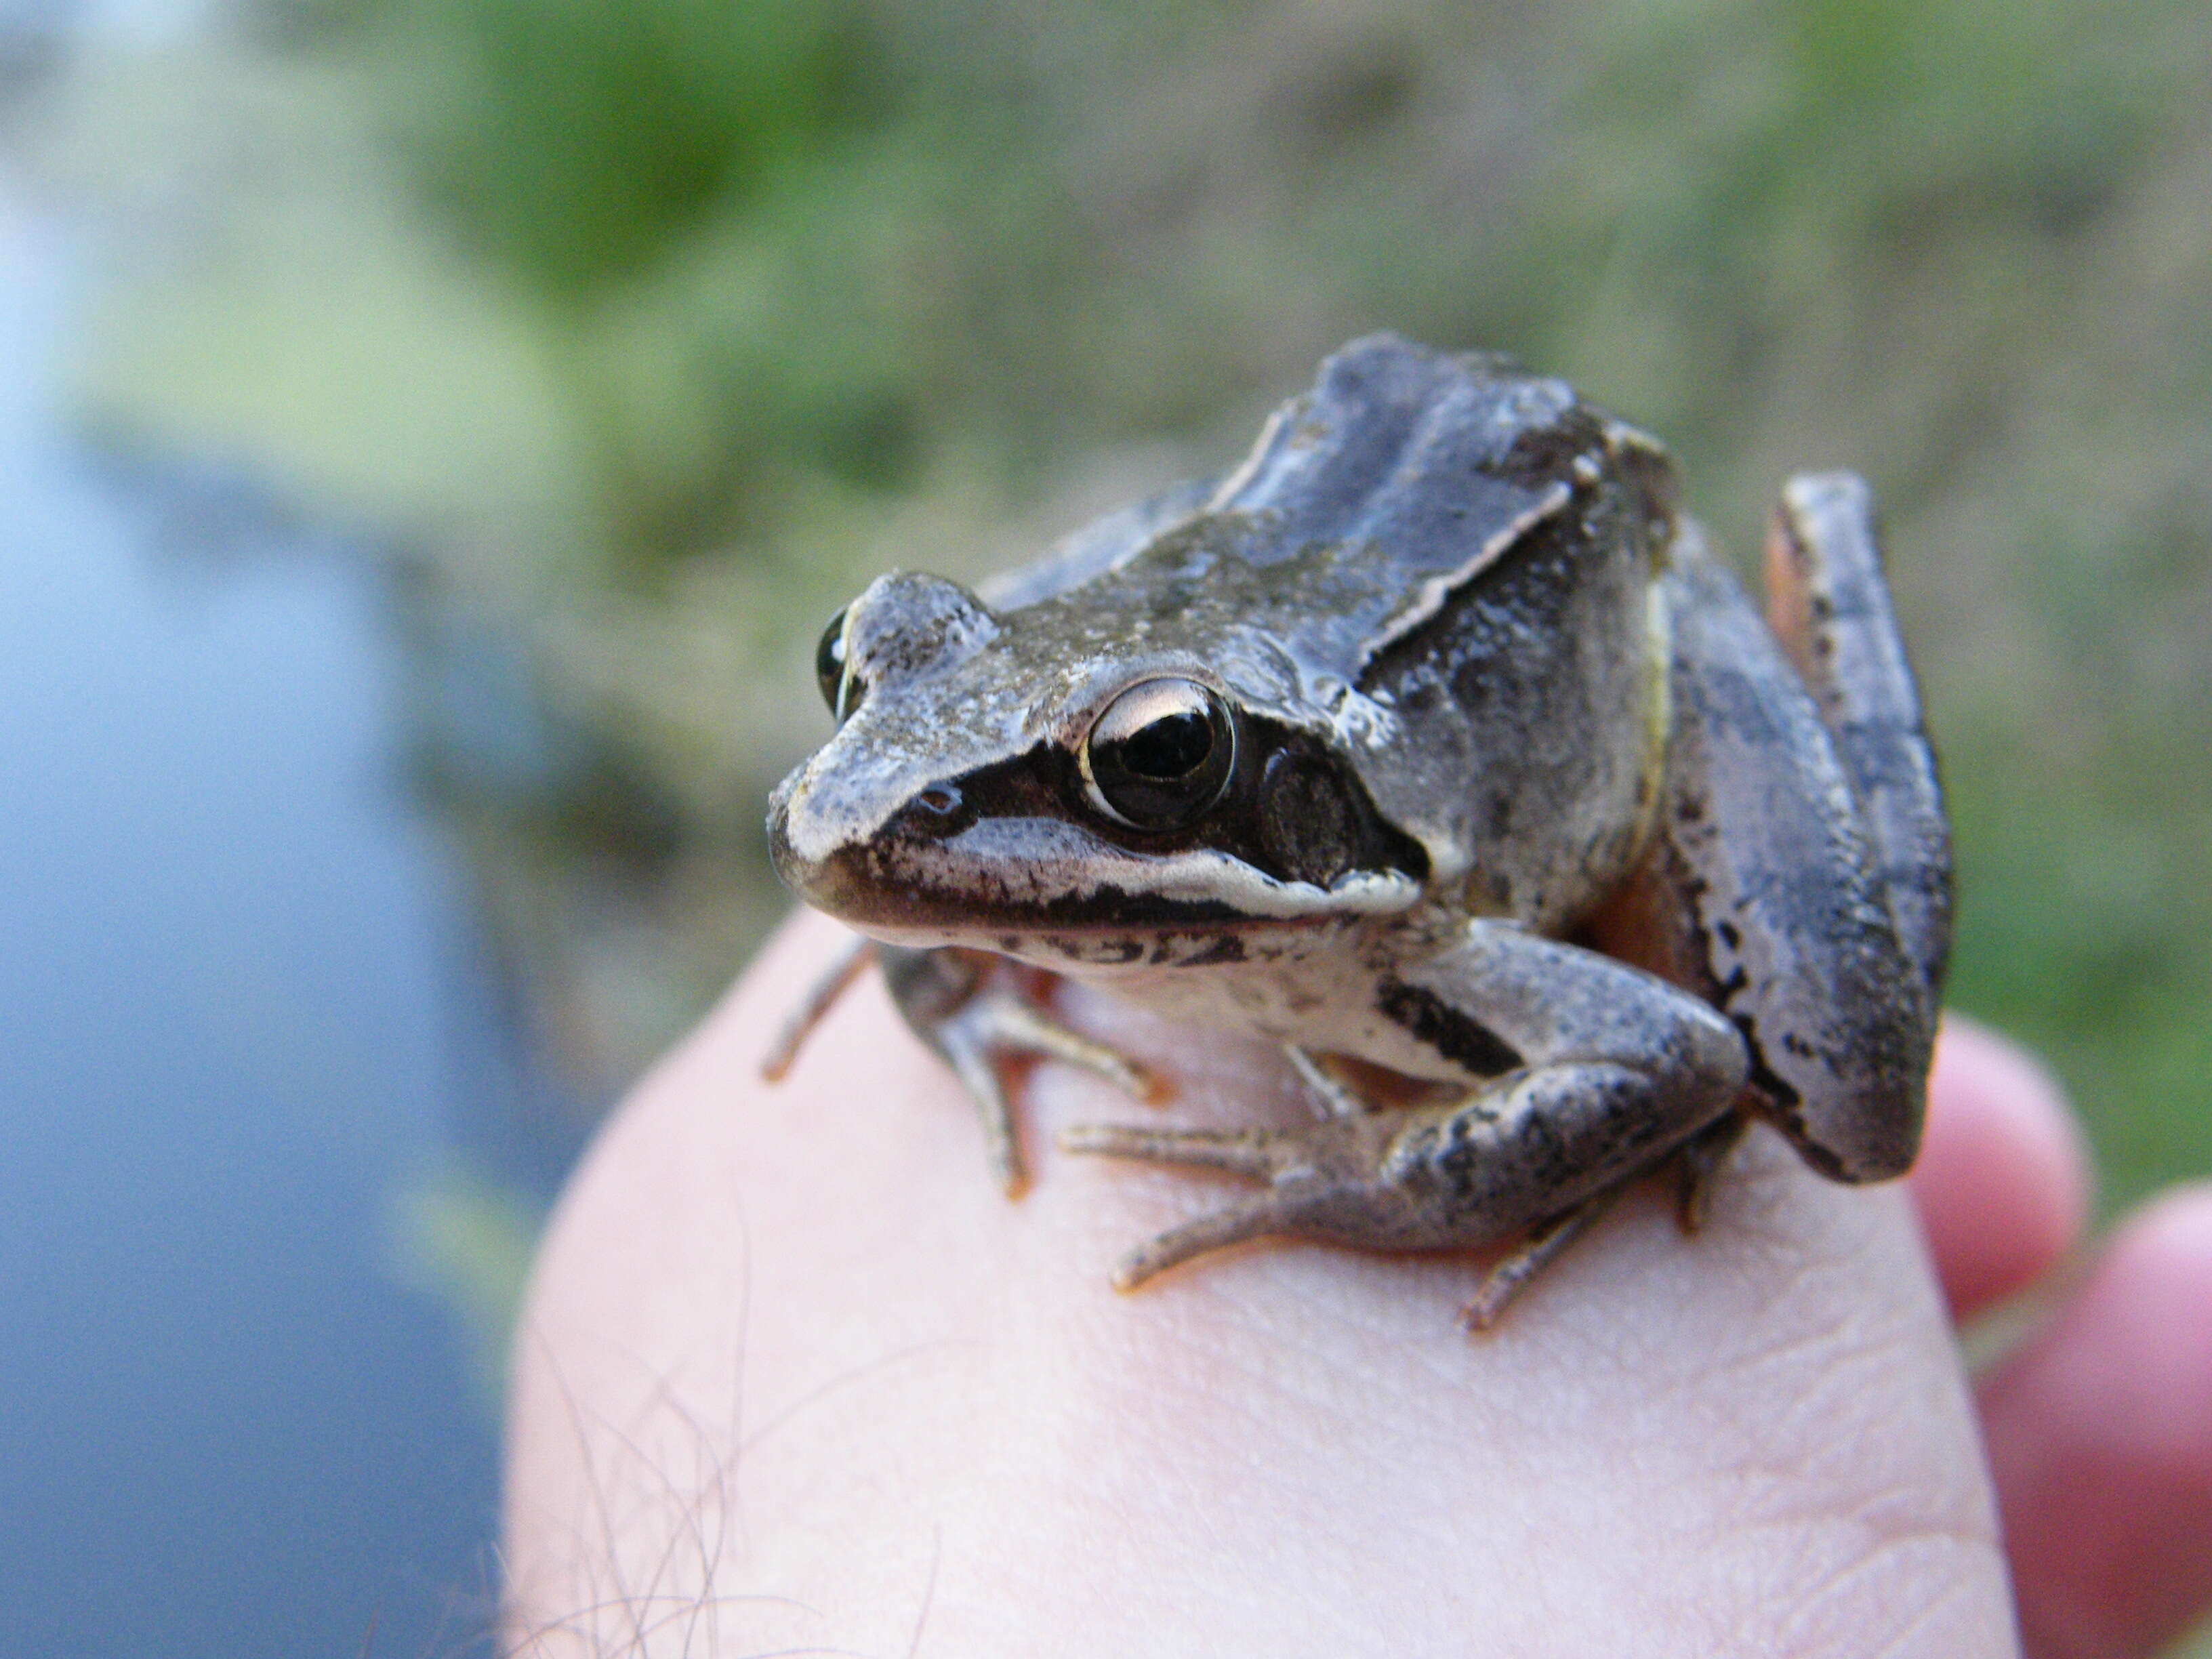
(1069,785)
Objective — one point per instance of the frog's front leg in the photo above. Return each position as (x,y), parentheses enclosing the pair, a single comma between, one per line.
(1586,1072)
(954,1000)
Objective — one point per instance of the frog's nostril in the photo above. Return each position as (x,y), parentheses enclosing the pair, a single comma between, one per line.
(935,814)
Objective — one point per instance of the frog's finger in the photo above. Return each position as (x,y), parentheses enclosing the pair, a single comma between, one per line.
(1242,1152)
(834,981)
(1018,1027)
(968,1052)
(1330,1093)
(1703,1156)
(1233,1226)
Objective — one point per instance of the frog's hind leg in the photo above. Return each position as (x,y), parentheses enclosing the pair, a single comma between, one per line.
(1827,601)
(1584,1072)
(1771,874)
(954,1001)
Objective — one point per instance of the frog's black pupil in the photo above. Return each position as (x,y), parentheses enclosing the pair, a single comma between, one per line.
(829,661)
(1169,748)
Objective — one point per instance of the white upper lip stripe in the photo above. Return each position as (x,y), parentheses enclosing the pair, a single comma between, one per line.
(1084,866)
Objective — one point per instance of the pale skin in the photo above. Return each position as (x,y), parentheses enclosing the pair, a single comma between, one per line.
(795,1378)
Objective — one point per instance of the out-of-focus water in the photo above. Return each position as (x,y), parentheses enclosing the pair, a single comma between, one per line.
(242,1011)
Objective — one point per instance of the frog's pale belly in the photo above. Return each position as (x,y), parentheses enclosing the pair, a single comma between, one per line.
(1316,990)
(1288,755)
(1318,999)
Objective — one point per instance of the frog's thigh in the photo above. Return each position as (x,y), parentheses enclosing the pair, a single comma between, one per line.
(1585,1071)
(1827,601)
(1776,876)
(1612,1067)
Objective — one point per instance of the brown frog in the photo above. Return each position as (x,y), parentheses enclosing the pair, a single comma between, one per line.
(1433,744)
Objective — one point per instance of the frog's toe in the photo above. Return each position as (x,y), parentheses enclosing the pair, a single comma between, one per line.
(1702,1160)
(1234,1225)
(1519,1267)
(1242,1152)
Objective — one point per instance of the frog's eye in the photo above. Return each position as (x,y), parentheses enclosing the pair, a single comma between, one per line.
(830,669)
(1160,755)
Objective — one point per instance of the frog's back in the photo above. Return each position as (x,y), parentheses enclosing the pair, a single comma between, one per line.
(1369,501)
(1417,469)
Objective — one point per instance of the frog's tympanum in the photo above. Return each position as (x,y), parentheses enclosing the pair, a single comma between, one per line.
(1432,743)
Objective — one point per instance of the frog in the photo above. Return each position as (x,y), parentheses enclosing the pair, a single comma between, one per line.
(1435,742)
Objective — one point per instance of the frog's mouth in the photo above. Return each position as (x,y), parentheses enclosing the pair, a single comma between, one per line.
(1044,875)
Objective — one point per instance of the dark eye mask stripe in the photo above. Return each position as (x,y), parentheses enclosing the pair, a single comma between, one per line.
(1292,811)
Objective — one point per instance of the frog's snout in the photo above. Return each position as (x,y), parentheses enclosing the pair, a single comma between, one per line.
(779,837)
(869,882)
(843,856)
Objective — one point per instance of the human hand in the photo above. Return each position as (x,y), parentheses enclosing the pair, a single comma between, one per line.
(792,1378)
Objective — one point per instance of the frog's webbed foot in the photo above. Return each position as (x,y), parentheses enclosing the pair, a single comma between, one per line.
(955,1001)
(1315,1173)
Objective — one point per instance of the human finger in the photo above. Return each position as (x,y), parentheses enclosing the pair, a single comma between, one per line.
(2100,1437)
(2002,1182)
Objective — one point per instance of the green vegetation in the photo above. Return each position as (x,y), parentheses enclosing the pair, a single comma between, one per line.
(466,1240)
(643,329)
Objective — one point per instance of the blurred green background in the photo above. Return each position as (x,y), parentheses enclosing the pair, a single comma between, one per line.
(636,334)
